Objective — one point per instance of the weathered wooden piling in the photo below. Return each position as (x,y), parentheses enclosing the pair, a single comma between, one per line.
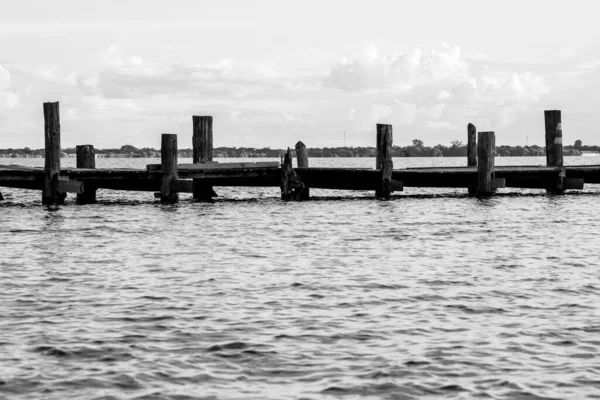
(472,151)
(292,188)
(50,193)
(554,147)
(384,159)
(471,145)
(202,143)
(86,158)
(302,161)
(486,148)
(168,159)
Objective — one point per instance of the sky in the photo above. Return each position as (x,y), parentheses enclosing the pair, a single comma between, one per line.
(272,72)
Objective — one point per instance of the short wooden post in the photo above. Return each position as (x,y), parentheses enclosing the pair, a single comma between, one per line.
(383,161)
(86,158)
(554,147)
(472,151)
(202,143)
(302,160)
(286,173)
(168,159)
(486,148)
(471,145)
(50,193)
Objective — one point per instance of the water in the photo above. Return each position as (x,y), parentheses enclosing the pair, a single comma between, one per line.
(432,294)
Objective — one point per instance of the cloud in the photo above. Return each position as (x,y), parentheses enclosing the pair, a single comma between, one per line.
(437,90)
(8,99)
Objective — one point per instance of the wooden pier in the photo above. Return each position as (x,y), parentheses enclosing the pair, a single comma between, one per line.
(480,176)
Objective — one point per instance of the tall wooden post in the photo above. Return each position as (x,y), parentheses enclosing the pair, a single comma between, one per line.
(384,159)
(50,193)
(302,160)
(86,158)
(554,147)
(168,159)
(472,151)
(486,149)
(202,143)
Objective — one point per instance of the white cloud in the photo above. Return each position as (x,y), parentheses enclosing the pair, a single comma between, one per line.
(8,99)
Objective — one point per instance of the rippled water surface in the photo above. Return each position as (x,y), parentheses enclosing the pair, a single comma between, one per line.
(432,294)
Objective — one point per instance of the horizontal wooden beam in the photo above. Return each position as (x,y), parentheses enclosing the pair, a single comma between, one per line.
(68,186)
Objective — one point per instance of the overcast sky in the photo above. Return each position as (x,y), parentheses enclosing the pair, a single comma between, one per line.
(274,72)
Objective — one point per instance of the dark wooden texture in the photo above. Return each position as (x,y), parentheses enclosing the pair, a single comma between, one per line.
(50,193)
(286,173)
(202,143)
(554,147)
(383,161)
(202,139)
(168,158)
(302,161)
(486,147)
(86,158)
(472,151)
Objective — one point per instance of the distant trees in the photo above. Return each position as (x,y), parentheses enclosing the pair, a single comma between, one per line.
(416,149)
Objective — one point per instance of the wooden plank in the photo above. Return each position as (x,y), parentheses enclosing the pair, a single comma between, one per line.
(20,175)
(168,156)
(21,167)
(158,167)
(574,183)
(23,184)
(498,183)
(51,194)
(68,186)
(86,158)
(215,166)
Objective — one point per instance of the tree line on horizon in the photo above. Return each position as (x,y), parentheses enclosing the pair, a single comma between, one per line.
(417,149)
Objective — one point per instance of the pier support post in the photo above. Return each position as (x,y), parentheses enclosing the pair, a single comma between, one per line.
(291,185)
(554,147)
(202,142)
(486,149)
(472,151)
(302,160)
(86,158)
(168,159)
(50,193)
(384,159)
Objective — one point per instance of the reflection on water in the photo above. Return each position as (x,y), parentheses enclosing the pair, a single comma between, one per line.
(433,294)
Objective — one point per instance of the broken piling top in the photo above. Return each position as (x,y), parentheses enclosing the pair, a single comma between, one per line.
(301,155)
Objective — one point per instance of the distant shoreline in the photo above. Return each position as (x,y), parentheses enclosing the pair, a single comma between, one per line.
(457,149)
